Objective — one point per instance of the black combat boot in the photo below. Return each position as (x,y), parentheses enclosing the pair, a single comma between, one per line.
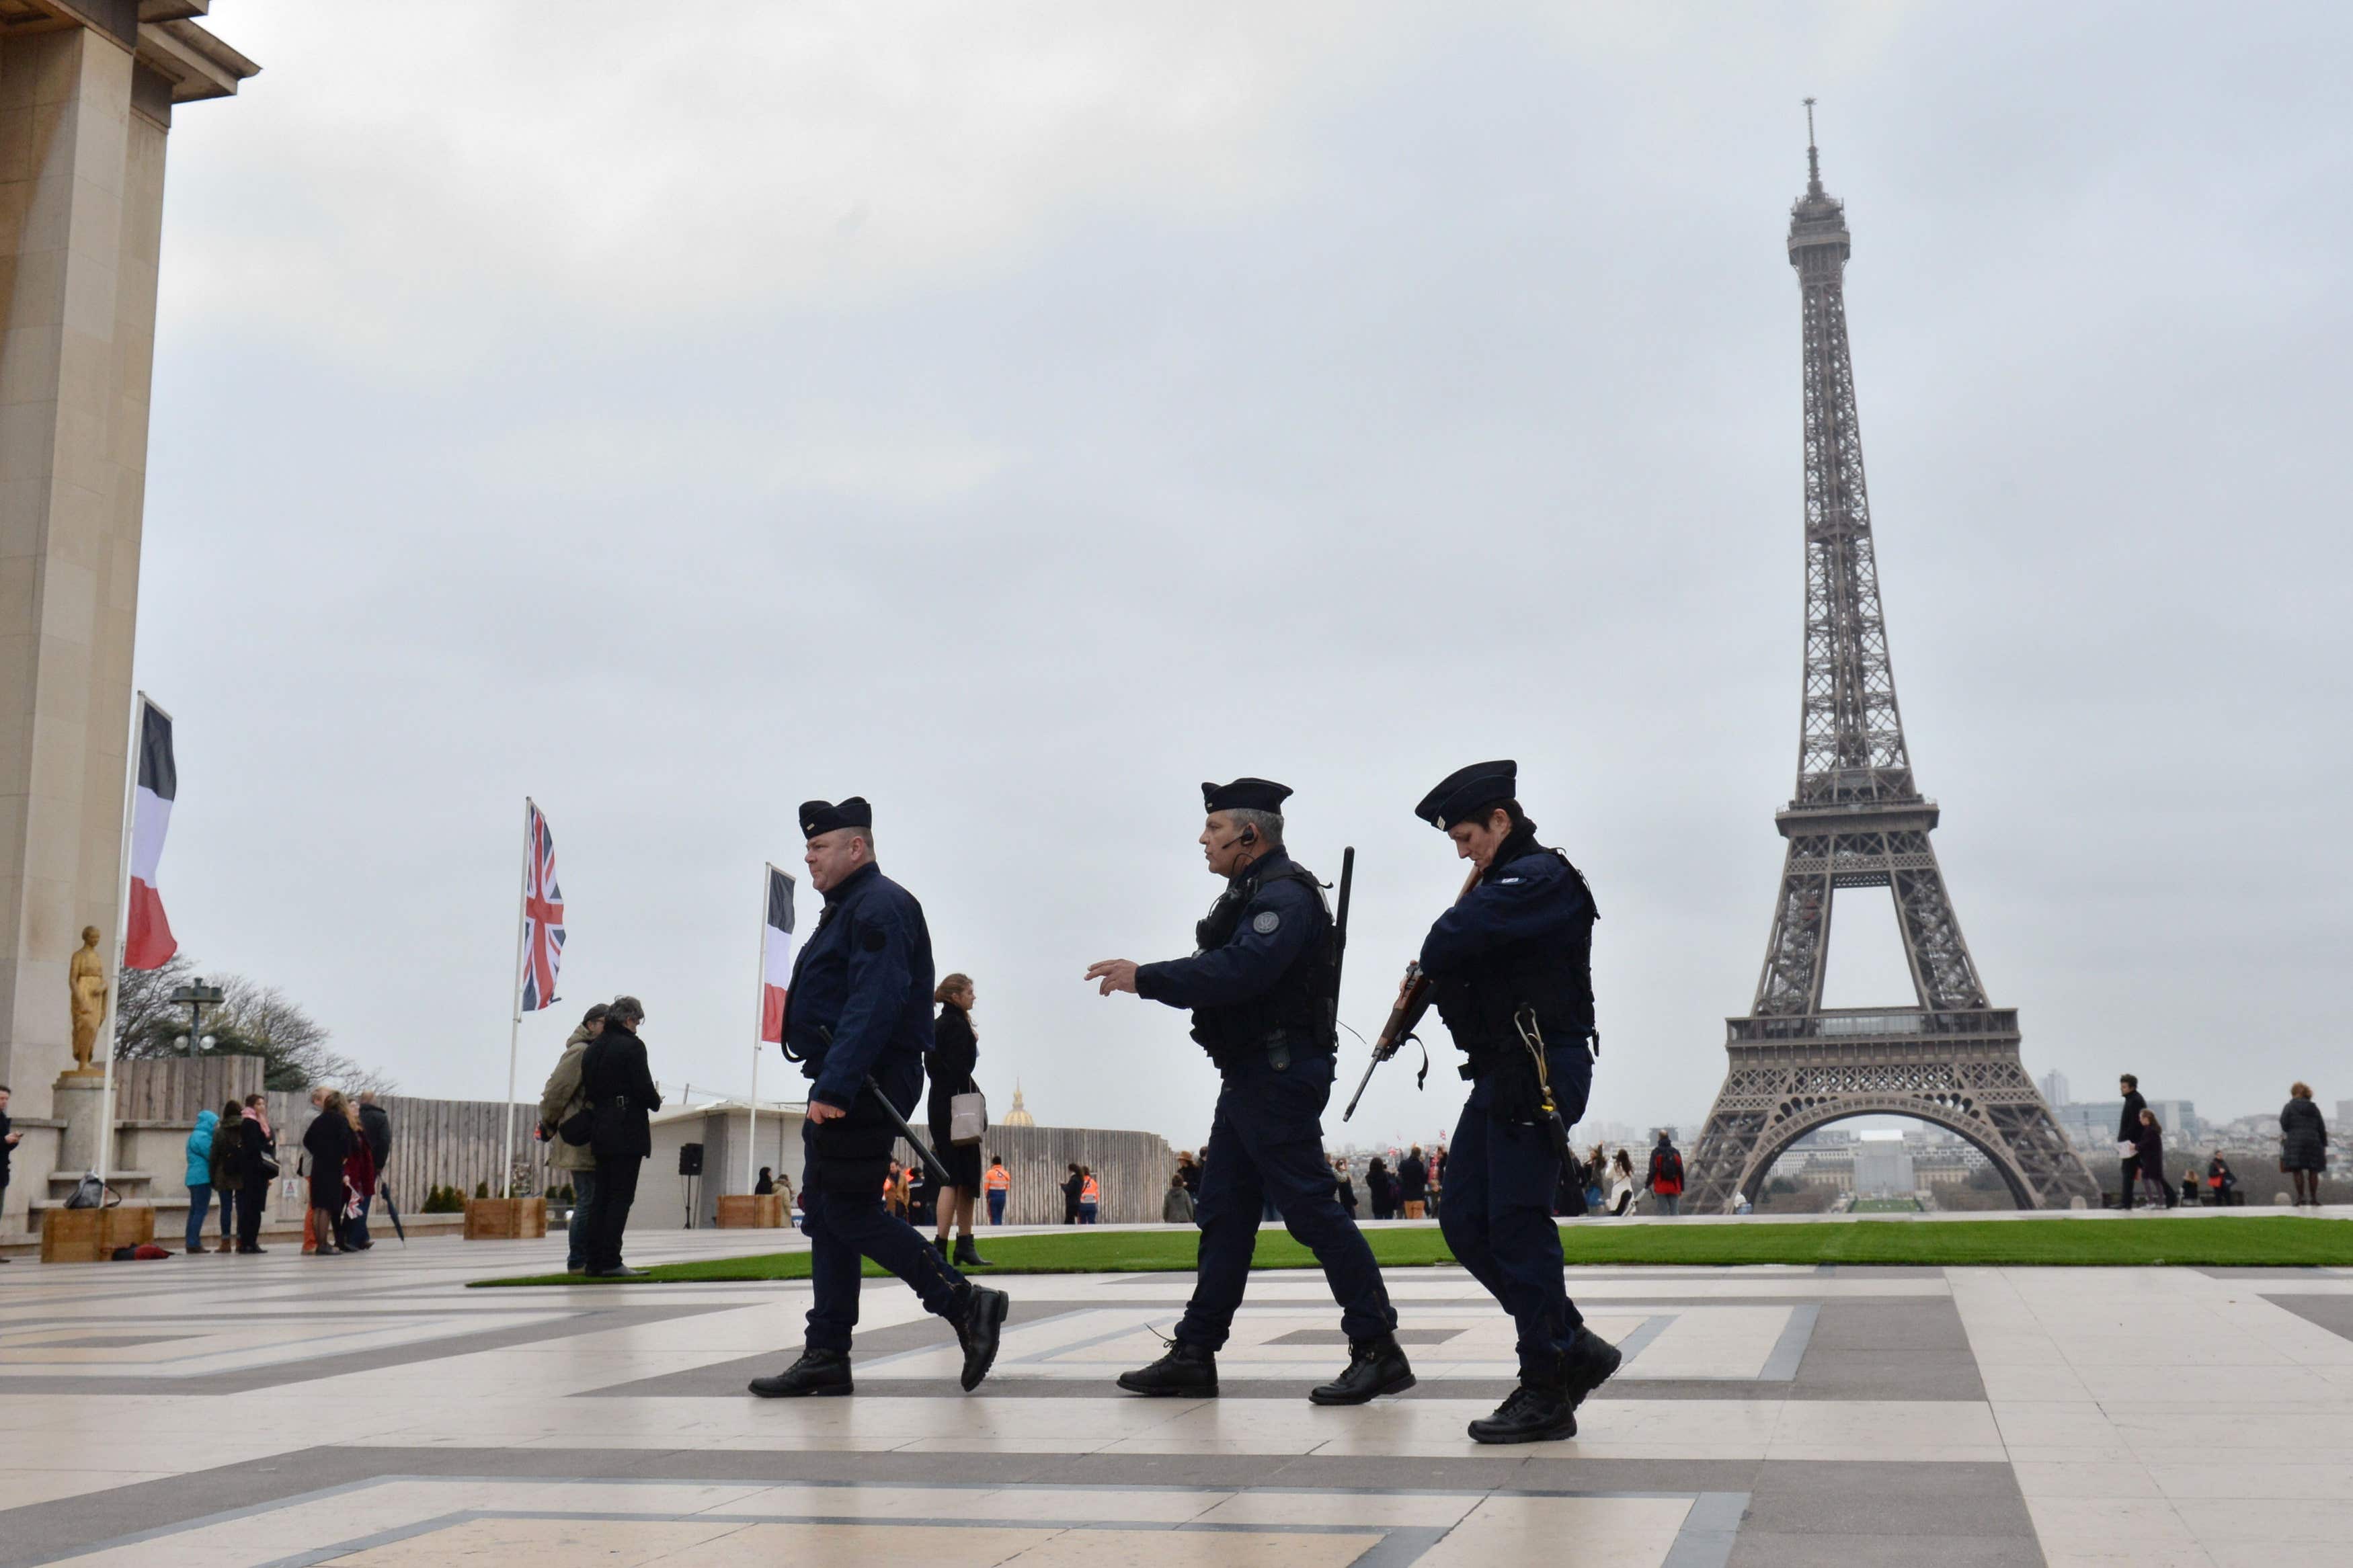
(967,1255)
(1587,1364)
(979,1323)
(1375,1367)
(1537,1411)
(1186,1370)
(817,1373)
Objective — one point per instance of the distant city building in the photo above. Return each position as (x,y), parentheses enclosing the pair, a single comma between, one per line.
(2055,1087)
(2344,1122)
(1883,1167)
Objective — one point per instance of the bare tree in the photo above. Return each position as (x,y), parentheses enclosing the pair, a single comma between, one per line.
(251,1020)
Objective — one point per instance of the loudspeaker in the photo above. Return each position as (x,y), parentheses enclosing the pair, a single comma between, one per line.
(689,1159)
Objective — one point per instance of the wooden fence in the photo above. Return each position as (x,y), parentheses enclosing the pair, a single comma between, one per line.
(174,1088)
(1133,1168)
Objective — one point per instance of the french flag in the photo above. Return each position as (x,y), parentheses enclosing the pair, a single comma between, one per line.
(148,941)
(776,956)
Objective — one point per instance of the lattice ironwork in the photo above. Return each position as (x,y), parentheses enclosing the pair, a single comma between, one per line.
(1857,820)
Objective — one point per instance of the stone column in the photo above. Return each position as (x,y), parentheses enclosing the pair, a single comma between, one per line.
(86,96)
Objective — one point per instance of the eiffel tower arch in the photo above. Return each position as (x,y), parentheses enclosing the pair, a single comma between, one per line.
(1858,820)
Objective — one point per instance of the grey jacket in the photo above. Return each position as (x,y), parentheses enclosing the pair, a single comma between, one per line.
(561,1099)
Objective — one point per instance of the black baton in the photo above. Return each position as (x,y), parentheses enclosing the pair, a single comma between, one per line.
(931,1161)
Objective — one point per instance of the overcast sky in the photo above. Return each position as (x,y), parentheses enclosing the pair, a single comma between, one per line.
(1017,414)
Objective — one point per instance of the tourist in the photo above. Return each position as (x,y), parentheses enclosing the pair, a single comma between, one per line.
(200,1178)
(1380,1188)
(618,1083)
(999,1182)
(1089,1196)
(2188,1189)
(1597,1177)
(2128,1133)
(1413,1183)
(559,1103)
(1621,1182)
(375,1131)
(1071,1186)
(2149,1158)
(2222,1181)
(325,1144)
(2303,1143)
(9,1139)
(766,1185)
(236,1166)
(1665,1177)
(359,1185)
(1189,1171)
(956,1056)
(1347,1185)
(1176,1204)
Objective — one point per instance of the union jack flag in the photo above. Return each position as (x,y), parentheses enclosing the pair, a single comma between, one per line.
(543,914)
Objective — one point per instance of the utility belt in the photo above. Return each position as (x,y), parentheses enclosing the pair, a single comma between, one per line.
(1277,1048)
(1482,1057)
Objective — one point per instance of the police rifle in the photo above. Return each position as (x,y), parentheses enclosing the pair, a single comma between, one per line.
(1340,934)
(1413,1000)
(931,1161)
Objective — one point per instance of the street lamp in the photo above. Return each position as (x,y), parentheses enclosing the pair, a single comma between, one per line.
(195,997)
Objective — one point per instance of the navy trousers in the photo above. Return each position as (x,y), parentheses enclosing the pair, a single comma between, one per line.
(1498,1219)
(1266,1144)
(845,1226)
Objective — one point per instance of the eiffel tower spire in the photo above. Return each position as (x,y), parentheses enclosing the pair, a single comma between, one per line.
(1857,820)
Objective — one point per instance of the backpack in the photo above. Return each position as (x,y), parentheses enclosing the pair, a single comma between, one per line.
(1671,1173)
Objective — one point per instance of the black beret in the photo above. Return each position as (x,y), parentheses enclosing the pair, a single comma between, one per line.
(823,816)
(1468,792)
(1244,795)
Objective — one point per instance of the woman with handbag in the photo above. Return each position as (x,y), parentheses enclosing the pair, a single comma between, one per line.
(955,1054)
(328,1143)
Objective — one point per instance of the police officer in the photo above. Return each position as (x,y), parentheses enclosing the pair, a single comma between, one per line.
(859,1006)
(1511,969)
(1261,988)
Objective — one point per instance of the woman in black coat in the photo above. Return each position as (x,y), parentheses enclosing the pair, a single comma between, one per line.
(328,1141)
(2303,1143)
(1071,1188)
(2149,1144)
(955,1053)
(618,1085)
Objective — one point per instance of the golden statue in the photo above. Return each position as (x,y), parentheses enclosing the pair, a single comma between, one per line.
(87,978)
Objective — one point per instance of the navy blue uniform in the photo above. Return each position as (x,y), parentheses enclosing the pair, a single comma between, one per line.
(1519,942)
(1260,997)
(860,1004)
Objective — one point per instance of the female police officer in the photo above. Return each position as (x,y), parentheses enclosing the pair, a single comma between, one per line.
(1511,966)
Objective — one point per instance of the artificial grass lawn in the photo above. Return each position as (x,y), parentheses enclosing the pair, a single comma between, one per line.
(2223,1240)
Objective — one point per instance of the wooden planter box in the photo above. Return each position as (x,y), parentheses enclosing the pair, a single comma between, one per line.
(746,1211)
(91,1235)
(506,1219)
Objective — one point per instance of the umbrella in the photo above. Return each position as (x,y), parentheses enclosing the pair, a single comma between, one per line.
(394,1210)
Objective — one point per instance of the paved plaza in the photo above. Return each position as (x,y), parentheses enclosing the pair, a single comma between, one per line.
(224,1411)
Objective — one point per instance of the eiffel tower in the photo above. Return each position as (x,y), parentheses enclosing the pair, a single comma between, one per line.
(1859,821)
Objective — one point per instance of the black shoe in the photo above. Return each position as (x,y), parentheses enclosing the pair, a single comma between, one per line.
(619,1271)
(1186,1370)
(1587,1363)
(978,1328)
(967,1255)
(817,1375)
(253,1249)
(1375,1367)
(1536,1413)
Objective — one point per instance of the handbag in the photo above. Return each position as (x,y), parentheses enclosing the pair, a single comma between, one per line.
(967,1117)
(89,1193)
(577,1128)
(2126,1148)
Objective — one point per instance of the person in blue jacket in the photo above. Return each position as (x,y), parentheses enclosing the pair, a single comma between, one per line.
(200,1178)
(1261,985)
(1511,972)
(858,1015)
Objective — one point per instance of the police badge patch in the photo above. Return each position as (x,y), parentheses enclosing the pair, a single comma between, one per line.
(1265,923)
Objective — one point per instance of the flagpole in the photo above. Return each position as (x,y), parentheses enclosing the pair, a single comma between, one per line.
(514,998)
(139,705)
(759,1034)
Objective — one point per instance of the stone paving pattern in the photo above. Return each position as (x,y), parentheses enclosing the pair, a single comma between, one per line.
(222,1411)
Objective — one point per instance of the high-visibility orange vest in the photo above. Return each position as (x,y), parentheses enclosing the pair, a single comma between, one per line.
(1090,1193)
(999,1178)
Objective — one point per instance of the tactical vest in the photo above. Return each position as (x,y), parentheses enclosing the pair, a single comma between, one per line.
(1552,975)
(1299,1011)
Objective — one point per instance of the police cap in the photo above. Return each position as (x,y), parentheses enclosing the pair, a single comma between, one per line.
(823,816)
(1244,795)
(1469,792)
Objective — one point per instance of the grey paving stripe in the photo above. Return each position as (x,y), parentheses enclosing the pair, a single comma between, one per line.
(310,1367)
(2333,1313)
